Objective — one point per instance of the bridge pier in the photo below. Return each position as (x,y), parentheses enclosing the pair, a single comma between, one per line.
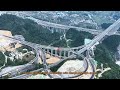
(69,53)
(60,53)
(64,55)
(55,52)
(56,30)
(51,52)
(52,30)
(47,51)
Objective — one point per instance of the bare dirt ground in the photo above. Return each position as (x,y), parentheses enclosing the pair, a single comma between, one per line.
(5,43)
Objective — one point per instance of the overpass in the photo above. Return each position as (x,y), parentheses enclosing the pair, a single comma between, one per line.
(59,26)
(39,54)
(65,27)
(73,52)
(113,28)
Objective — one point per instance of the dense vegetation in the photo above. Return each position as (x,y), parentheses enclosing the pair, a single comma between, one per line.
(103,55)
(2,59)
(77,37)
(105,25)
(104,52)
(29,29)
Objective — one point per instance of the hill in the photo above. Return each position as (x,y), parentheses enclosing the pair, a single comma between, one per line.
(28,28)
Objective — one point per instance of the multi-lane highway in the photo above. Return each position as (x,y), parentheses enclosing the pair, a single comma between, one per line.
(63,27)
(40,54)
(55,25)
(114,27)
(28,66)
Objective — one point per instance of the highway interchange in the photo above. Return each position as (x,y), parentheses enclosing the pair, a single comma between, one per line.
(76,51)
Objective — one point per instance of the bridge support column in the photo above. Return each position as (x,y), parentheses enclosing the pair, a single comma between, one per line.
(60,53)
(52,30)
(51,52)
(64,54)
(56,30)
(69,53)
(55,52)
(48,51)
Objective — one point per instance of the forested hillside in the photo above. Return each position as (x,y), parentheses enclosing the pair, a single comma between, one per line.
(29,29)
